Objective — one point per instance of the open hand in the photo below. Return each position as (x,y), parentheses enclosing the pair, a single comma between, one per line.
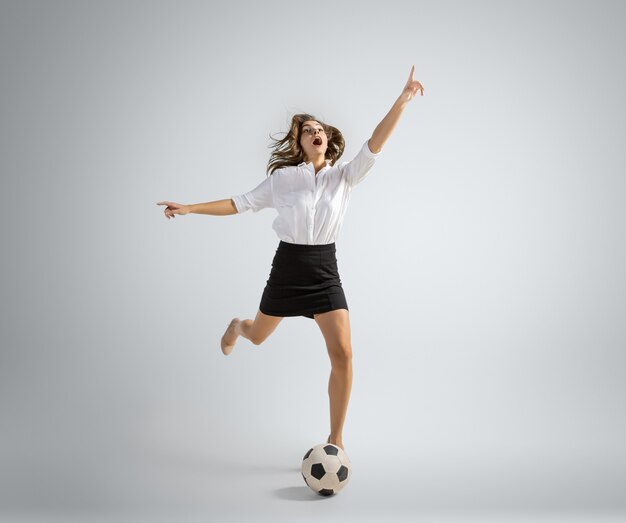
(411,88)
(173,209)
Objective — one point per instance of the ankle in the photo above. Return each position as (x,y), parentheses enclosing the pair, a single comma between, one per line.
(242,326)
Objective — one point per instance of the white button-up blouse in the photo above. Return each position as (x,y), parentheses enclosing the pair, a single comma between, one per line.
(310,206)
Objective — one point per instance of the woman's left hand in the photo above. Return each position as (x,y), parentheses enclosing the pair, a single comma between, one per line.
(411,88)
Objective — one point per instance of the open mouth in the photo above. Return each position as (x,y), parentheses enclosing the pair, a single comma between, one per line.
(317,141)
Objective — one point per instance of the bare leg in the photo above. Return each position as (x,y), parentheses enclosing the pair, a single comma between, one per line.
(256,330)
(335,327)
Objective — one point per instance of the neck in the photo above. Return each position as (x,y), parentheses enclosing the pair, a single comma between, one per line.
(318,161)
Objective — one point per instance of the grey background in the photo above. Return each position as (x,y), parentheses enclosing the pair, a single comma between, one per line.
(483,261)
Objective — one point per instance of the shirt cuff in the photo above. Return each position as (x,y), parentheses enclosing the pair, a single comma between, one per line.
(238,203)
(366,150)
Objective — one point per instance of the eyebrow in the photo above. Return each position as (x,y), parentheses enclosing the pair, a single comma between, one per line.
(307,125)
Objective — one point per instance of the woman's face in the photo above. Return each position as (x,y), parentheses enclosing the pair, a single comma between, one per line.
(313,139)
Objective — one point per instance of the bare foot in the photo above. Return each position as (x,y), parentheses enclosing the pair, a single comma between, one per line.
(339,444)
(230,337)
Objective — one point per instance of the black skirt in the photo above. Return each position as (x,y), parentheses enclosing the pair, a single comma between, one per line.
(304,281)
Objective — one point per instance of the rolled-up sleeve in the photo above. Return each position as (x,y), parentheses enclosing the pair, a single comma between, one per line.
(356,169)
(258,198)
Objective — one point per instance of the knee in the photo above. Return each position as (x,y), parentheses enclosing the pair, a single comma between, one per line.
(341,355)
(257,340)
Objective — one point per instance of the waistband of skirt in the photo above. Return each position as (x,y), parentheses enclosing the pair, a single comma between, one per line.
(300,247)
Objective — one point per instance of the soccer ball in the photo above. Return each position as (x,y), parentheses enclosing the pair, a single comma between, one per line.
(326,469)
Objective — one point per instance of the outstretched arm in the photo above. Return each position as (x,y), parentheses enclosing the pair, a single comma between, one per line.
(216,208)
(388,123)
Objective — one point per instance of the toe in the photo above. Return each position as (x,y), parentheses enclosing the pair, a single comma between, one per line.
(229,338)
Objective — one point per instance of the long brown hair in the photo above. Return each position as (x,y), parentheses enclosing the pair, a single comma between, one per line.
(287,151)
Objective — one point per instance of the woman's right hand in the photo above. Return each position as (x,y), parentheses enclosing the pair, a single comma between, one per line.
(173,209)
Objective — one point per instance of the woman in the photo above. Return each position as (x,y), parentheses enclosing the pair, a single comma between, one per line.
(311,194)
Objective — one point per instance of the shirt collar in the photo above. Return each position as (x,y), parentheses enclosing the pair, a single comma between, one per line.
(302,164)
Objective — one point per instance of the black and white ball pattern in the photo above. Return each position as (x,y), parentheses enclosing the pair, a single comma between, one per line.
(326,469)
